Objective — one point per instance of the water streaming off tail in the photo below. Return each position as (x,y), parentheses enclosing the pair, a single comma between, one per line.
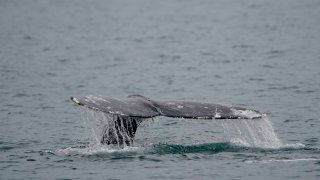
(111,129)
(98,124)
(251,132)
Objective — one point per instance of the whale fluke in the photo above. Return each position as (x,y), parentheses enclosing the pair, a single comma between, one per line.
(135,108)
(142,107)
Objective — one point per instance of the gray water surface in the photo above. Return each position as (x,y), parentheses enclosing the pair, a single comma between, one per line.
(259,54)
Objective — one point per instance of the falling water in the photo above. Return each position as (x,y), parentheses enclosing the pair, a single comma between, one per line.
(251,132)
(110,129)
(99,123)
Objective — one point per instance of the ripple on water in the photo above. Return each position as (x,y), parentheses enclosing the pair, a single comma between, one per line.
(6,146)
(282,160)
(222,147)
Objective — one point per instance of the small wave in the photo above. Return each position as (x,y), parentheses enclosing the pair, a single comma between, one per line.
(293,146)
(283,160)
(238,146)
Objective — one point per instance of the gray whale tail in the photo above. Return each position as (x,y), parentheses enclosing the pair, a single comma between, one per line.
(130,111)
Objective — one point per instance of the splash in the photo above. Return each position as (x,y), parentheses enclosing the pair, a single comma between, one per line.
(251,132)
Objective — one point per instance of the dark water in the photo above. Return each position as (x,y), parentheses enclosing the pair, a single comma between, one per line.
(261,54)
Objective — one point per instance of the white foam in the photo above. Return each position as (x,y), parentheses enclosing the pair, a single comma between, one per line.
(94,149)
(294,146)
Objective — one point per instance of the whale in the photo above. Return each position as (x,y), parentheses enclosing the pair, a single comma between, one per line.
(129,112)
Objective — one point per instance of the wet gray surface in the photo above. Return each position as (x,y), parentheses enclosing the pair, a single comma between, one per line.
(261,54)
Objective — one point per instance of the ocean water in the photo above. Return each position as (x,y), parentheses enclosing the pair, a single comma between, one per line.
(259,54)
